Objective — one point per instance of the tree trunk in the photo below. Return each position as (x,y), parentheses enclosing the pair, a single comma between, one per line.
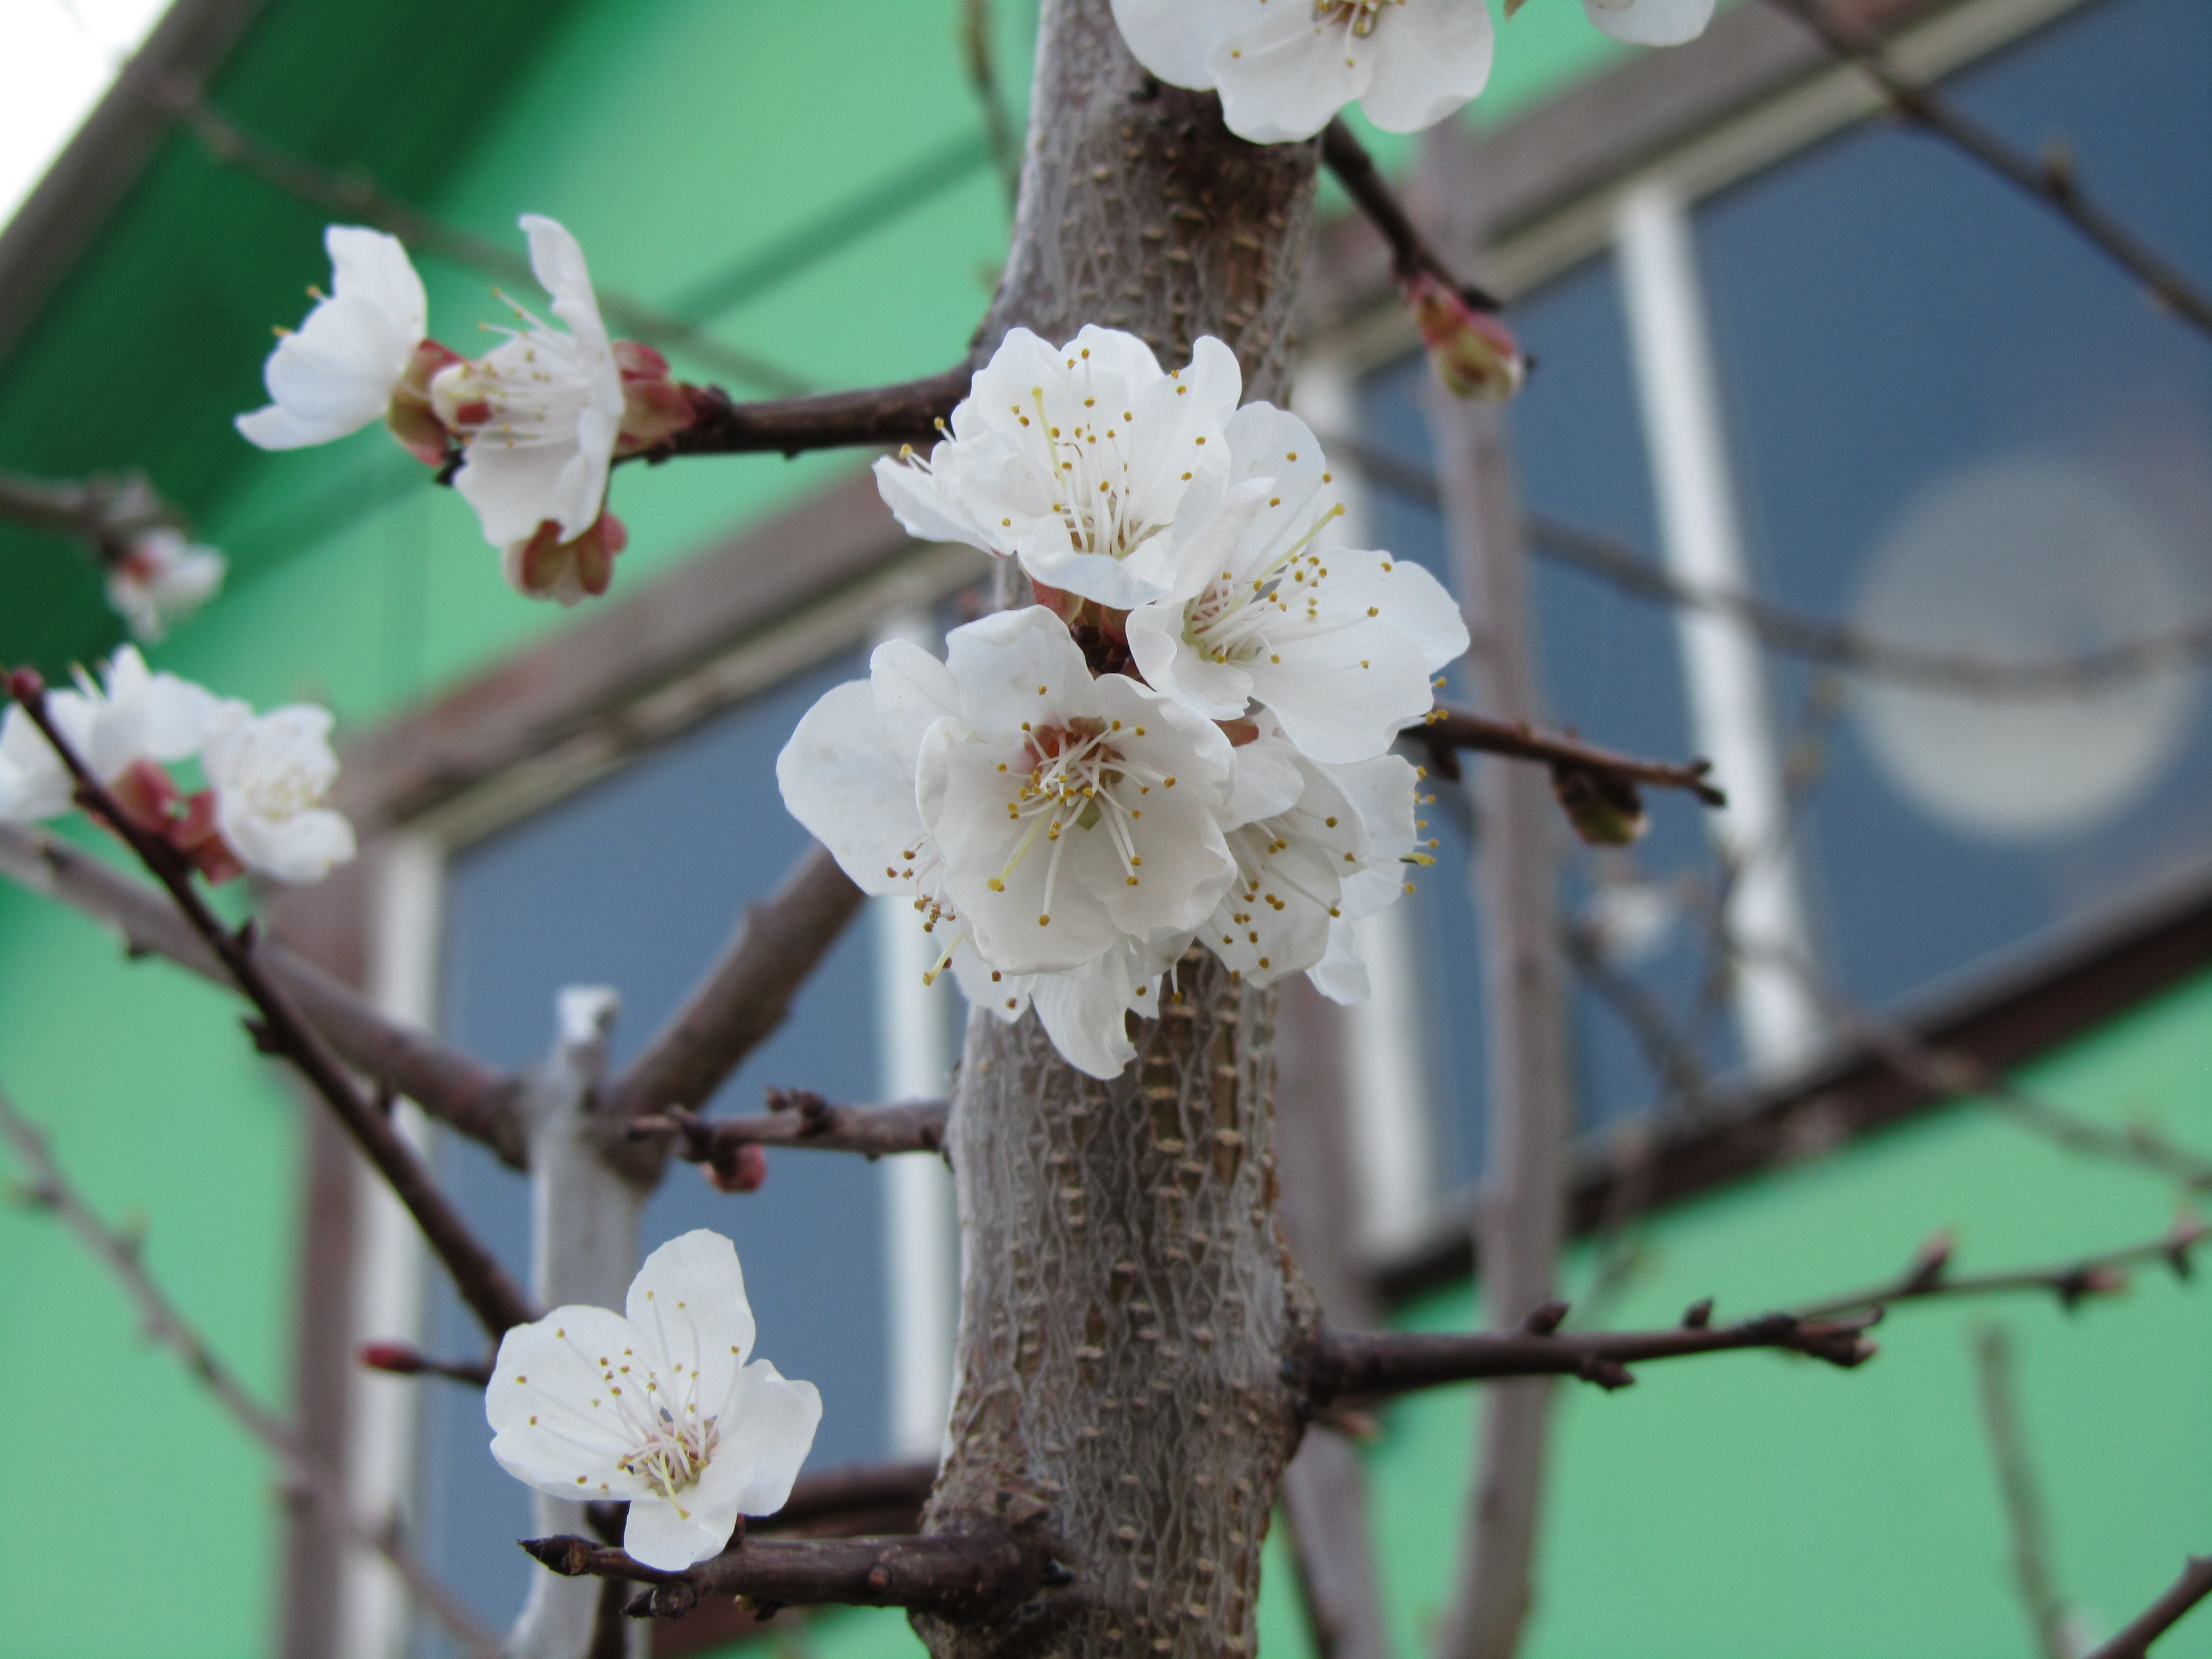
(1125,1296)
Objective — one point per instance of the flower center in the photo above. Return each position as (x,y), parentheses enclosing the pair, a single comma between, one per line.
(1088,471)
(1229,621)
(1362,14)
(1077,780)
(674,1455)
(529,391)
(283,792)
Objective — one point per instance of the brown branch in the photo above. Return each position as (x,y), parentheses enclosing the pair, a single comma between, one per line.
(1341,1363)
(104,513)
(451,1086)
(2161,1615)
(745,995)
(483,1284)
(1411,255)
(2023,1499)
(1928,1276)
(122,1254)
(799,1117)
(1449,729)
(957,1575)
(2049,179)
(358,198)
(906,413)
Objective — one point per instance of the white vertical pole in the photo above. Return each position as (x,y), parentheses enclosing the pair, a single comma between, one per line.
(386,1290)
(1391,1145)
(1702,544)
(920,1232)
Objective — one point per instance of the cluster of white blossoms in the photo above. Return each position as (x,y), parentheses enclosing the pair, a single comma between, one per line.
(660,1408)
(162,577)
(531,427)
(1186,737)
(1284,67)
(267,775)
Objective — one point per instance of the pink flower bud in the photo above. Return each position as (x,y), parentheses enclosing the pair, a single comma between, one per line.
(1474,354)
(394,1357)
(410,416)
(654,407)
(546,568)
(743,1170)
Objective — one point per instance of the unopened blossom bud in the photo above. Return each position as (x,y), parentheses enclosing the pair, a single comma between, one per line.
(655,408)
(397,1357)
(546,568)
(1475,354)
(411,417)
(742,1169)
(1605,808)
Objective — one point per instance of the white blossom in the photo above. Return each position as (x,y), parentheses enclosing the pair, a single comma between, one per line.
(1316,847)
(1070,812)
(1082,1010)
(1338,643)
(130,715)
(338,372)
(1085,461)
(541,413)
(162,579)
(270,773)
(1284,67)
(1650,22)
(656,1405)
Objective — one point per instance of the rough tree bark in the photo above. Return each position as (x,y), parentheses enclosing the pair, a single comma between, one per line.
(1126,1296)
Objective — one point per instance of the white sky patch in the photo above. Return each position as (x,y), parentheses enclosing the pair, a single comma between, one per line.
(57,58)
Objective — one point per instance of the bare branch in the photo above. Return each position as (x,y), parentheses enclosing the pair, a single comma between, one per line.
(799,1117)
(1411,255)
(2161,1615)
(452,1086)
(957,1576)
(1795,633)
(2023,1501)
(745,994)
(906,413)
(49,1190)
(1340,1365)
(483,1284)
(1927,1277)
(105,512)
(1450,729)
(2049,179)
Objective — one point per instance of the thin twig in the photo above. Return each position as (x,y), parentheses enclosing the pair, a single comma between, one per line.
(483,1284)
(744,995)
(909,412)
(1814,638)
(2049,179)
(120,1252)
(452,1086)
(799,1117)
(106,514)
(2161,1615)
(359,197)
(983,77)
(2023,1501)
(1449,729)
(1927,1277)
(1411,255)
(959,1576)
(1362,1365)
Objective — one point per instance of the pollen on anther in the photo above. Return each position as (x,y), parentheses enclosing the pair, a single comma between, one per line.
(1331,822)
(1044,921)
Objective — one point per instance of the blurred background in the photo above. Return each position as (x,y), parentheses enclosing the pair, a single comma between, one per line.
(1938,435)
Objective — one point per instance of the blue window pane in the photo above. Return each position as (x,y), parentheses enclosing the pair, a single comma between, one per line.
(1952,417)
(635,883)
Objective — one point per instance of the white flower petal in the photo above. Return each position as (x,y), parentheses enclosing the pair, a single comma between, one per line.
(672,1534)
(1014,668)
(1650,22)
(1404,595)
(764,1441)
(1174,38)
(688,1301)
(912,691)
(337,372)
(1283,76)
(1430,57)
(556,1425)
(1341,975)
(841,781)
